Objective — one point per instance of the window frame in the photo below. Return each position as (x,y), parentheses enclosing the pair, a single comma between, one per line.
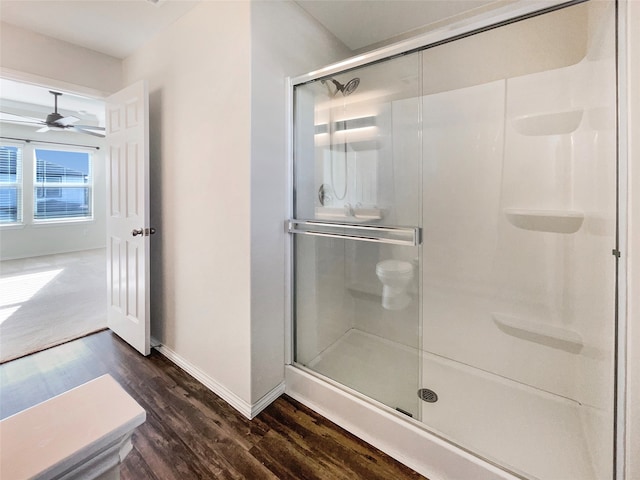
(18,184)
(43,186)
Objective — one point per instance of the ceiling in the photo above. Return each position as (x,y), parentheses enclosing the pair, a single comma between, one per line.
(119,27)
(365,23)
(112,27)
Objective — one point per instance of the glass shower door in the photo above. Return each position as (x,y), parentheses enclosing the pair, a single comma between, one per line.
(497,329)
(356,229)
(519,224)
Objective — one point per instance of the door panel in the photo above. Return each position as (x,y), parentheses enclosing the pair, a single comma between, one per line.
(128,218)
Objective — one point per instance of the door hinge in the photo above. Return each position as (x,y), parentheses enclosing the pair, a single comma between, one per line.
(615,252)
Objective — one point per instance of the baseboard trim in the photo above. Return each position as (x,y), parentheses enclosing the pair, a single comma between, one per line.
(223,392)
(267,399)
(246,409)
(155,342)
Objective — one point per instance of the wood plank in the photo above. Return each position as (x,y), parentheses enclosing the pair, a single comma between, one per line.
(135,465)
(338,453)
(190,432)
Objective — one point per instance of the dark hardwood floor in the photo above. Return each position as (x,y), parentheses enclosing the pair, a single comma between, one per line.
(191,433)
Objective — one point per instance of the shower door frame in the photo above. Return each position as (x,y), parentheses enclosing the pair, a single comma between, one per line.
(486,21)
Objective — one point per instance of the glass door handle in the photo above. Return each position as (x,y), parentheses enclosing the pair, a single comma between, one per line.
(410,236)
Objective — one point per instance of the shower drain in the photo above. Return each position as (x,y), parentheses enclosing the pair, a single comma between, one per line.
(428,395)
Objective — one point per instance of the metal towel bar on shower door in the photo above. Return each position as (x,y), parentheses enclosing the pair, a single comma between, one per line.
(410,236)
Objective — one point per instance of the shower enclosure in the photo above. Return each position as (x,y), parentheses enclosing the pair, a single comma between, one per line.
(453,224)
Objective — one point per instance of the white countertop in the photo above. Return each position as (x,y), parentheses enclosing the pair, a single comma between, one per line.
(62,432)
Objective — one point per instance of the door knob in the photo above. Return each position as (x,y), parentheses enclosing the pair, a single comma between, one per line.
(143,231)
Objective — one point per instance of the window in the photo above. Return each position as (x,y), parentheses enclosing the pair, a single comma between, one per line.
(63,185)
(10,184)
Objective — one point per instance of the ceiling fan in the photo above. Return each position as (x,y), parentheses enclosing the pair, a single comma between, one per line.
(55,121)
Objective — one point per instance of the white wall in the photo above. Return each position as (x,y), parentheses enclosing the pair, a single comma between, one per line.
(198,71)
(30,53)
(285,41)
(218,176)
(29,240)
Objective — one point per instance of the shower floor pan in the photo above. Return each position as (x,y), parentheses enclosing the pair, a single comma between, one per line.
(531,432)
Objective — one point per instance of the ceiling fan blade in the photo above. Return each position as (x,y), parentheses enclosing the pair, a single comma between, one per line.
(66,121)
(89,132)
(90,127)
(12,117)
(24,122)
(43,129)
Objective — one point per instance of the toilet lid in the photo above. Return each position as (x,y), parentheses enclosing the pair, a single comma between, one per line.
(395,266)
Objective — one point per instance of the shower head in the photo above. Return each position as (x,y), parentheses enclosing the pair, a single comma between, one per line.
(346,89)
(351,86)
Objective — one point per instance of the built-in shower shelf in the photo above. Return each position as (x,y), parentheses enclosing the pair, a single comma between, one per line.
(367,214)
(553,221)
(554,123)
(542,333)
(331,213)
(351,144)
(356,215)
(366,291)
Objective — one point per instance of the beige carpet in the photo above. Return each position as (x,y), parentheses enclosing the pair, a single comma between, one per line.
(48,300)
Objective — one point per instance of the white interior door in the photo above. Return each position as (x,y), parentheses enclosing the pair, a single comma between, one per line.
(127,128)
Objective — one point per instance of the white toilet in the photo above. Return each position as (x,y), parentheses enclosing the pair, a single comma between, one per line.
(395,275)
